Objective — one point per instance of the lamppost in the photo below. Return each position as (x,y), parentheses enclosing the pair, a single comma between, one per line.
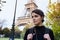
(12,30)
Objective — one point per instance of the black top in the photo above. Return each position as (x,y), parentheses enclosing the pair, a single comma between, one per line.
(38,33)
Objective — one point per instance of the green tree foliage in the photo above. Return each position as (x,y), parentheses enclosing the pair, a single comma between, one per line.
(6,31)
(27,26)
(17,32)
(53,16)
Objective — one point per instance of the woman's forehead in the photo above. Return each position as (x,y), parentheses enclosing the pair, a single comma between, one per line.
(33,14)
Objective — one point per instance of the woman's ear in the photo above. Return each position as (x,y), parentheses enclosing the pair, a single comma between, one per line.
(42,19)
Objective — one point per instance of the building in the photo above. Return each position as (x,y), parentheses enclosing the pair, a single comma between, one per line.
(27,20)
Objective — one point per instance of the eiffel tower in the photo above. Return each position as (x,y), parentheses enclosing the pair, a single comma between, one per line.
(26,20)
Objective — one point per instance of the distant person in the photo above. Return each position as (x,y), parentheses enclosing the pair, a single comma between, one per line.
(39,31)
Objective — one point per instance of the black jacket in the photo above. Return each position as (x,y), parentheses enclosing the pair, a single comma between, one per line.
(38,33)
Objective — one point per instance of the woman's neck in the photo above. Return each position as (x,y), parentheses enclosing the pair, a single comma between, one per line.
(41,24)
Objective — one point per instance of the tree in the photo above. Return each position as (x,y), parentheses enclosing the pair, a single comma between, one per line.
(1,30)
(53,18)
(6,31)
(17,32)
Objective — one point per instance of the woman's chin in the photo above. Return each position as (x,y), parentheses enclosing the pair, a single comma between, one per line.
(35,24)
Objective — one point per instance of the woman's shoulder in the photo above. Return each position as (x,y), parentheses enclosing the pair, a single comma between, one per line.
(30,30)
(48,30)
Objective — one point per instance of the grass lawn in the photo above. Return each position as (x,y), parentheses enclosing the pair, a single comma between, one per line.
(8,39)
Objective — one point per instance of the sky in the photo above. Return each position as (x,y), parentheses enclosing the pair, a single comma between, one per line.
(8,8)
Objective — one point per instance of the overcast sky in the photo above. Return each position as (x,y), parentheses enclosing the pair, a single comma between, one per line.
(8,8)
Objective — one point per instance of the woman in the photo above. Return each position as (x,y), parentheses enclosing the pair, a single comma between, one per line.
(39,31)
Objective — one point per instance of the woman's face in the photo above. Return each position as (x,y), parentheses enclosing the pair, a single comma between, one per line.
(37,19)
